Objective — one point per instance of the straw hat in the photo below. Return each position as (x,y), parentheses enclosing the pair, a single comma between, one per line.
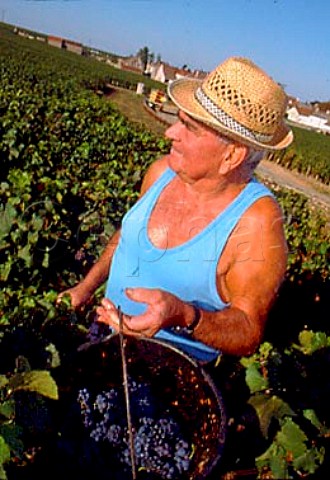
(239,100)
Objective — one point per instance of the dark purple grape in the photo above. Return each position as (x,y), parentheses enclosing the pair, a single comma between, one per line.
(159,446)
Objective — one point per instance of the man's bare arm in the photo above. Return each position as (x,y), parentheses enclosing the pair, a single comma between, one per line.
(82,292)
(259,258)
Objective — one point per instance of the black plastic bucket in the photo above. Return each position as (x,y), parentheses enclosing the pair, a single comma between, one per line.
(179,384)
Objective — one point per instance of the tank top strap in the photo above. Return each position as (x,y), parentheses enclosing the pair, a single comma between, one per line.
(147,202)
(252,192)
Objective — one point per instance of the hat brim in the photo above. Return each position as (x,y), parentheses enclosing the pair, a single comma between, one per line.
(182,93)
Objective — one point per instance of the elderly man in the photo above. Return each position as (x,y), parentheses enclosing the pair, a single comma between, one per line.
(200,257)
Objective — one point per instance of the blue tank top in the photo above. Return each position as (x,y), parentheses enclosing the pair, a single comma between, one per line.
(187,271)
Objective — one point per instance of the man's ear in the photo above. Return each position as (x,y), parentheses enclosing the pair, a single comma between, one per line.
(234,156)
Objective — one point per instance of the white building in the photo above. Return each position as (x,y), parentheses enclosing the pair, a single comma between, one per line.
(306,117)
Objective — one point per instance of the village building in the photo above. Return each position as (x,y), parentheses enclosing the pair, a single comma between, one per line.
(131,64)
(55,41)
(69,45)
(165,73)
(307,116)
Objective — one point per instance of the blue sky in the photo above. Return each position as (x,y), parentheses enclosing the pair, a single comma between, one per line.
(290,39)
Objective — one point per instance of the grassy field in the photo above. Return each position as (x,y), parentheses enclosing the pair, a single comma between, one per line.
(131,106)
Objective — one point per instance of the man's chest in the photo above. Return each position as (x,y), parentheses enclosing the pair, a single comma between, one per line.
(174,221)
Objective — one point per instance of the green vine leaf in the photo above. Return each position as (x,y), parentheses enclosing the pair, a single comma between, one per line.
(274,459)
(311,341)
(22,364)
(289,448)
(292,438)
(55,355)
(7,409)
(4,457)
(3,381)
(268,408)
(3,475)
(254,379)
(312,417)
(25,254)
(12,435)
(39,381)
(310,460)
(7,216)
(65,301)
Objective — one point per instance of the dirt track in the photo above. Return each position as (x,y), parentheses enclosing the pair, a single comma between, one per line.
(316,191)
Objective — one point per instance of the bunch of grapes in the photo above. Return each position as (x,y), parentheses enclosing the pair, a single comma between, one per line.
(97,331)
(159,444)
(160,448)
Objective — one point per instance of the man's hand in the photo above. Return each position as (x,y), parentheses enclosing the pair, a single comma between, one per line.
(78,294)
(163,310)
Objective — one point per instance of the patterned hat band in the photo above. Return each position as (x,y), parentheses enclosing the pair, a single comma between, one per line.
(227,120)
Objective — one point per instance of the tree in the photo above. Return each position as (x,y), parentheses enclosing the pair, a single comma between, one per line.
(145,56)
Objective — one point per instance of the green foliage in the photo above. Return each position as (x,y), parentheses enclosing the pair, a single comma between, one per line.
(71,167)
(84,71)
(307,233)
(269,408)
(289,452)
(39,382)
(294,448)
(4,457)
(308,154)
(310,342)
(145,56)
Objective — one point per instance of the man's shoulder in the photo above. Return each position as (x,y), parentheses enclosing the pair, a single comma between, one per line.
(263,220)
(265,208)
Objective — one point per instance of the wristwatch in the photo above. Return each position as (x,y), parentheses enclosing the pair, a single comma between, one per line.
(197,316)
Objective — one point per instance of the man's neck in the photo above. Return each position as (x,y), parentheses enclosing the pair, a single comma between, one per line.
(208,190)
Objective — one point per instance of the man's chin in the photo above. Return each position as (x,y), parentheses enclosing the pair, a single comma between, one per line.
(174,161)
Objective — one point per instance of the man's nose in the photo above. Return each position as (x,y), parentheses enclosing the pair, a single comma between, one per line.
(173,131)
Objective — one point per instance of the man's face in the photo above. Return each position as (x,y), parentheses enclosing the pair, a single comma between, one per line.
(197,150)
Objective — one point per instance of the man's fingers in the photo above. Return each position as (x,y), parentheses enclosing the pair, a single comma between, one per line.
(105,302)
(137,325)
(60,297)
(140,294)
(107,313)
